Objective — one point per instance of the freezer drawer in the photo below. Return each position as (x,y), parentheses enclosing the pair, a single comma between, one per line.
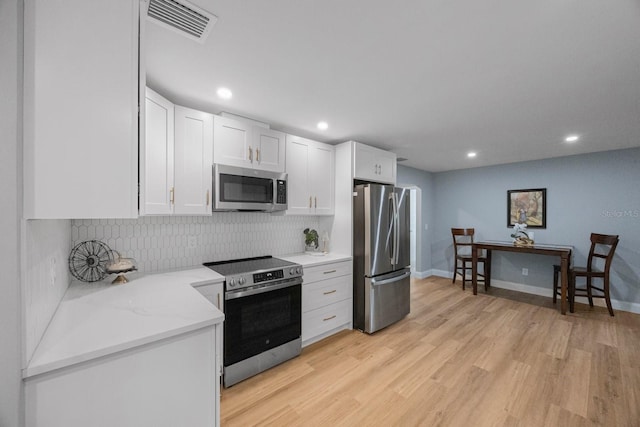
(387,300)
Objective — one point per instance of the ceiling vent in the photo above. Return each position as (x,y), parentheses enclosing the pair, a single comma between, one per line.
(182,17)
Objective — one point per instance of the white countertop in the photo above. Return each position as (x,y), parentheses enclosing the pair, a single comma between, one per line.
(97,319)
(307,260)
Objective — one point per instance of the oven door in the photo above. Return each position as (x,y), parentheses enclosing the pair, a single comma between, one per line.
(261,319)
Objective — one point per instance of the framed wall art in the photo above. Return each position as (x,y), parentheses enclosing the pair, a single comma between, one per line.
(527,207)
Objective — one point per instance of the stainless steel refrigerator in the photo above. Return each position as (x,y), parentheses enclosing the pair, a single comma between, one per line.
(381,256)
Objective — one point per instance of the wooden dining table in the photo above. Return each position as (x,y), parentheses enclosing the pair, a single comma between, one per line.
(562,251)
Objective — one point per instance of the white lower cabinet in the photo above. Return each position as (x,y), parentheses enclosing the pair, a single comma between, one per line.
(173,382)
(327,300)
(214,292)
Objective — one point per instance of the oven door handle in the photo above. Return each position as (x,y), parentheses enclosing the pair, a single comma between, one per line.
(239,294)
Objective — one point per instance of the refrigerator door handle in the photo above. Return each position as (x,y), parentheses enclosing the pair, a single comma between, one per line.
(396,229)
(392,228)
(391,280)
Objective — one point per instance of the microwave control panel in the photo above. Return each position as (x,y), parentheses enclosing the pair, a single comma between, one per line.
(281,192)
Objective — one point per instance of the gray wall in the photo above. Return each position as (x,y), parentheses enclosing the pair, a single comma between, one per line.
(587,193)
(423,180)
(10,188)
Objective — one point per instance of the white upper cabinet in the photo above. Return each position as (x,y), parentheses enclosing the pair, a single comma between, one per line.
(310,168)
(156,154)
(373,164)
(232,142)
(269,147)
(81,109)
(176,153)
(193,162)
(238,143)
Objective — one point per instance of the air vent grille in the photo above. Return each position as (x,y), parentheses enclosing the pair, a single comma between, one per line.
(183,17)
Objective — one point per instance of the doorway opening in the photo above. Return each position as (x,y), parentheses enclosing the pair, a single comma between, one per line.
(415,201)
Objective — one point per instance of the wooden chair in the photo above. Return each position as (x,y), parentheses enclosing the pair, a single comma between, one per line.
(462,245)
(603,247)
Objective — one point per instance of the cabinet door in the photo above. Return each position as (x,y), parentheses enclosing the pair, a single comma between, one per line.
(365,166)
(81,109)
(387,165)
(268,149)
(322,178)
(232,142)
(299,196)
(373,164)
(156,152)
(193,161)
(214,293)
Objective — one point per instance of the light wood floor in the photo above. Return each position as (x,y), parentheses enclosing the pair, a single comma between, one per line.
(458,360)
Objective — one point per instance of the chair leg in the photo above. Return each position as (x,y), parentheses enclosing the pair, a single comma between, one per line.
(555,285)
(455,271)
(464,274)
(572,292)
(486,276)
(487,270)
(606,295)
(589,294)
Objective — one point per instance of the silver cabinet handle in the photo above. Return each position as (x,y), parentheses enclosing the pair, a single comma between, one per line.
(329,318)
(310,197)
(330,292)
(250,154)
(329,272)
(315,199)
(258,155)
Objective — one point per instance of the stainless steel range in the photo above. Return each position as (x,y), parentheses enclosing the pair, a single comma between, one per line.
(263,310)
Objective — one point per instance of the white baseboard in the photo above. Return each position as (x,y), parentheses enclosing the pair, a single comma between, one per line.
(441,273)
(632,307)
(421,274)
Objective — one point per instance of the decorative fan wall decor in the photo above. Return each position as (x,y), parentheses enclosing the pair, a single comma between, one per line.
(88,260)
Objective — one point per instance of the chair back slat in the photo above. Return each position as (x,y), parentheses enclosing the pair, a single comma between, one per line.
(603,246)
(462,240)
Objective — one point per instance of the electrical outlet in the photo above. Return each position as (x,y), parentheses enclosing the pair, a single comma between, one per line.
(525,271)
(192,241)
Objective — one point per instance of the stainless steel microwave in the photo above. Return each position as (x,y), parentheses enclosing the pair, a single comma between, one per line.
(242,189)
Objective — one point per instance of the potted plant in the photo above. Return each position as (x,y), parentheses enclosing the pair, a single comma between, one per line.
(310,239)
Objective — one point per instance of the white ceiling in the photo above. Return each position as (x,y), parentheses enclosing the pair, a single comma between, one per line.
(427,79)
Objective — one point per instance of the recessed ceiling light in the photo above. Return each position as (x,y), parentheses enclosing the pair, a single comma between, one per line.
(323,125)
(224,93)
(572,138)
(471,154)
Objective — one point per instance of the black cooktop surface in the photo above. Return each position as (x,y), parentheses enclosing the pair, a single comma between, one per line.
(247,265)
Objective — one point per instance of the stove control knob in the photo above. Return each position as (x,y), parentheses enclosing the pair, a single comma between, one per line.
(242,281)
(292,271)
(232,283)
(299,270)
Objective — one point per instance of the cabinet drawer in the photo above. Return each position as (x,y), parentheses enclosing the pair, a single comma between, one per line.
(321,320)
(325,292)
(327,271)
